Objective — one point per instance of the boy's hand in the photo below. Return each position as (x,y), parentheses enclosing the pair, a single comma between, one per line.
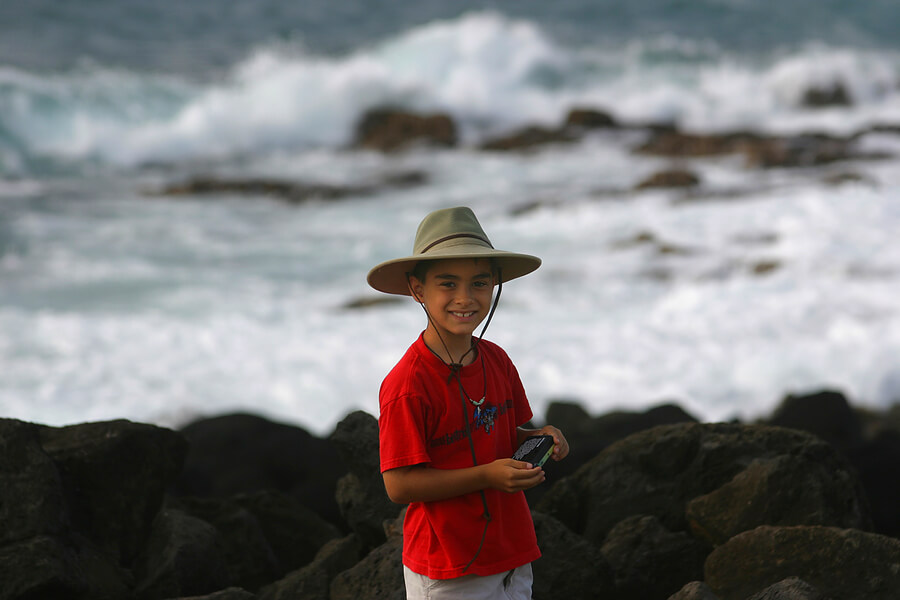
(561,446)
(508,475)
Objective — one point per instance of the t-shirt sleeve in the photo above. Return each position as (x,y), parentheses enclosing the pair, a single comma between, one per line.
(401,433)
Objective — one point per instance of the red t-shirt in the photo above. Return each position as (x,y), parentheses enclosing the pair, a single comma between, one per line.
(422,422)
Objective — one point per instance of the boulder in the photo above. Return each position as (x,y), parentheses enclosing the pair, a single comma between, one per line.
(390,129)
(695,590)
(844,563)
(783,490)
(569,566)
(49,567)
(649,561)
(184,556)
(792,588)
(232,593)
(877,462)
(589,118)
(528,138)
(243,453)
(659,471)
(588,435)
(32,500)
(379,576)
(313,581)
(826,96)
(115,474)
(361,497)
(673,178)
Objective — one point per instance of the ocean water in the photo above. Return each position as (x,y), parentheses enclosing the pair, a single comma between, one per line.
(119,302)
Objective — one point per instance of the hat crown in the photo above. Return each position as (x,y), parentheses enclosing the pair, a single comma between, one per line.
(448,227)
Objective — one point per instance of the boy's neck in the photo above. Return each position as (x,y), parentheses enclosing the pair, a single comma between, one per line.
(458,347)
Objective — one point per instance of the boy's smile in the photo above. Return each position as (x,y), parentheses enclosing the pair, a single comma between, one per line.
(457,295)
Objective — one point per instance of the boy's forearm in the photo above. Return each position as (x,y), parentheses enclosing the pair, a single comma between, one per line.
(426,484)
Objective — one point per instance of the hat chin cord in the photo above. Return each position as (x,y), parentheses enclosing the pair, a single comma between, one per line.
(455,368)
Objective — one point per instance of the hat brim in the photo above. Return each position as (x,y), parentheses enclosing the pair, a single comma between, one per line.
(390,276)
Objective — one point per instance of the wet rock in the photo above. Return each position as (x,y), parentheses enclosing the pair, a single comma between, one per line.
(589,118)
(676,178)
(673,143)
(845,563)
(292,192)
(389,130)
(528,138)
(243,453)
(659,471)
(649,561)
(569,566)
(835,94)
(360,494)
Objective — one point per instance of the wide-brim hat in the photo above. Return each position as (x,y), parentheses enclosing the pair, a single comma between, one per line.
(445,234)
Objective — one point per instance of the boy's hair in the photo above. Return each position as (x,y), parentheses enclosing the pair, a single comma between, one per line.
(420,270)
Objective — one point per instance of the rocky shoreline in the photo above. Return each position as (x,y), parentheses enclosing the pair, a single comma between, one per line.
(649,505)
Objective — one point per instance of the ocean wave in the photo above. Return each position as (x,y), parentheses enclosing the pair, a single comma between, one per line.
(488,71)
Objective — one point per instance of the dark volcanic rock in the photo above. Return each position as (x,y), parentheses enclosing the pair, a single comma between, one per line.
(659,471)
(184,556)
(232,593)
(361,496)
(844,563)
(588,435)
(379,576)
(826,414)
(677,178)
(244,453)
(783,490)
(293,192)
(695,590)
(44,567)
(32,501)
(389,129)
(792,588)
(589,118)
(528,138)
(313,582)
(649,561)
(115,474)
(569,566)
(824,96)
(260,531)
(877,462)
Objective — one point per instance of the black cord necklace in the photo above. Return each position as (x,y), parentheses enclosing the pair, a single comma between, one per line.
(455,368)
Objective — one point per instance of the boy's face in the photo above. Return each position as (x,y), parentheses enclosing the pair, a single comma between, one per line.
(457,294)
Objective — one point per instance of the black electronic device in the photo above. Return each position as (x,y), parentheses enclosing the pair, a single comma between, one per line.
(535,450)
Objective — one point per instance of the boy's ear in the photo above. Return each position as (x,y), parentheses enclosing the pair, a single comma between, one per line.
(417,288)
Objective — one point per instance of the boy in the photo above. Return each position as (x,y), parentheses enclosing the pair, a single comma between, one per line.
(452,412)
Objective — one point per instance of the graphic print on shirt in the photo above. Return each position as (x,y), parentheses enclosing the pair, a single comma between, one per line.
(484,418)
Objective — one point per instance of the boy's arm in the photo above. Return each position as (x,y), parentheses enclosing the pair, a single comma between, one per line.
(560,445)
(419,483)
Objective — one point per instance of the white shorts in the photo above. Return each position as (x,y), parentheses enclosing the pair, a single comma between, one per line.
(512,585)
